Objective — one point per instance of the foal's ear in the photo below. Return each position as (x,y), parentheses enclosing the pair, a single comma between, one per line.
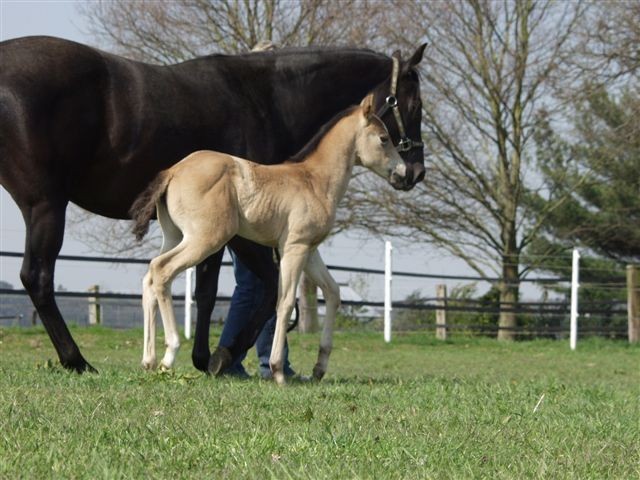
(367,106)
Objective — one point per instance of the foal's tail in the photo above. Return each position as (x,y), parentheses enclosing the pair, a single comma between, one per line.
(143,208)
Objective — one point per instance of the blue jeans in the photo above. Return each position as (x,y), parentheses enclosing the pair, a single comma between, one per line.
(244,301)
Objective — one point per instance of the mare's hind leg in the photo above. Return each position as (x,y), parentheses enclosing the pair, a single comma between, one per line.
(44,222)
(318,272)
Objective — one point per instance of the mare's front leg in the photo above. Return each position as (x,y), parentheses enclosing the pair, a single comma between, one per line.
(292,262)
(259,259)
(44,221)
(318,272)
(207,273)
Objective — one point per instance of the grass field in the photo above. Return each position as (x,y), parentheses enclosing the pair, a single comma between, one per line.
(412,409)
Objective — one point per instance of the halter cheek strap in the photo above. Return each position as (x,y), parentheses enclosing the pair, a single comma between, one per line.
(391,102)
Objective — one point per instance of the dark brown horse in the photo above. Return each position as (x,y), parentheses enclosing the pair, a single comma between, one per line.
(84,126)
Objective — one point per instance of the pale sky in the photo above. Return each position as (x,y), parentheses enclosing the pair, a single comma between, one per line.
(61,19)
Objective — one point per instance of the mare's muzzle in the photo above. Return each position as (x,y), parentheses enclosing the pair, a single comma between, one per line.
(407,176)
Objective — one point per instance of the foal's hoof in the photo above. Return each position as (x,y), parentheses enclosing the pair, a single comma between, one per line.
(280,379)
(148,365)
(219,361)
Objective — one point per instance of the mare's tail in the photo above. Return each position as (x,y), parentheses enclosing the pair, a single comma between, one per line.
(143,208)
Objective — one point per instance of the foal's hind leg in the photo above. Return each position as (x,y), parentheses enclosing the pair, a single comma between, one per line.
(149,308)
(317,270)
(171,237)
(44,222)
(162,271)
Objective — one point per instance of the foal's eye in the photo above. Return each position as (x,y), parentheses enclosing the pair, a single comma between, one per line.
(384,139)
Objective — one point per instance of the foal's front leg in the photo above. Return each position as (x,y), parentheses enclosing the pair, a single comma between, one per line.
(319,274)
(291,264)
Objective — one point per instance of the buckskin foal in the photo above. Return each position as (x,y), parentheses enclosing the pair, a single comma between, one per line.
(208,197)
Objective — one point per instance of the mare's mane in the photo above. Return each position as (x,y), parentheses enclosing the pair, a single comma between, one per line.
(292,52)
(312,144)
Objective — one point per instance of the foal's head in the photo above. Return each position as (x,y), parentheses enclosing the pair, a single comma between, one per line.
(374,149)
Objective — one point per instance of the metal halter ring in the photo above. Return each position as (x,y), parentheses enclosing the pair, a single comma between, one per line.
(405,144)
(392,101)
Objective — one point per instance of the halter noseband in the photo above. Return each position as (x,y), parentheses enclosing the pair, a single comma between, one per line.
(405,143)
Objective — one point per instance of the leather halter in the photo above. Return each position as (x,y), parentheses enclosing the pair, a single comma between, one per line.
(391,102)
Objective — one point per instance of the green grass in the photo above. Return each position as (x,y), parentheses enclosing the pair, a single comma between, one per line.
(413,409)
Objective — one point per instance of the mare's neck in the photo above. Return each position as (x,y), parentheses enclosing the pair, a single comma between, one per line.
(292,91)
(331,81)
(331,164)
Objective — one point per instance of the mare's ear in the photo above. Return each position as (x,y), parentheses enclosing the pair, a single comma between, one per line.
(367,106)
(417,56)
(414,60)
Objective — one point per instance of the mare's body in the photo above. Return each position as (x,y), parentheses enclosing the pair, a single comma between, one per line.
(207,198)
(84,126)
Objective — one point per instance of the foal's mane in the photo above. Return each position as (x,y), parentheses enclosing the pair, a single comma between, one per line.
(312,144)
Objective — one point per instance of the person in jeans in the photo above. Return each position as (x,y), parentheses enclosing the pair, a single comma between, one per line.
(245,299)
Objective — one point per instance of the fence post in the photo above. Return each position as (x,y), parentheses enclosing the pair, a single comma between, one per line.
(633,302)
(575,278)
(308,294)
(188,301)
(94,306)
(387,291)
(441,313)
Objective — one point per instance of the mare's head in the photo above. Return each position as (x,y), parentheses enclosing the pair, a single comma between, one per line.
(374,148)
(397,102)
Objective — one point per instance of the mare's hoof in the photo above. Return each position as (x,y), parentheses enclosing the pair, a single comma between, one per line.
(219,361)
(79,366)
(318,373)
(201,362)
(89,369)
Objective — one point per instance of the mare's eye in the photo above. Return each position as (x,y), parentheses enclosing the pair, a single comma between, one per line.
(384,139)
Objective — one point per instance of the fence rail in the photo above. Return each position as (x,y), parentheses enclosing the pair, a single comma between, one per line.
(555,314)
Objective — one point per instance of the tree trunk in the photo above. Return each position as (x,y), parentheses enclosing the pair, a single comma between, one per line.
(308,303)
(509,292)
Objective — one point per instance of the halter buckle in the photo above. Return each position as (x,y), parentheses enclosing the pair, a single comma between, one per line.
(405,144)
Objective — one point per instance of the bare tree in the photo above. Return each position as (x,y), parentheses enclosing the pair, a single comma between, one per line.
(488,69)
(176,30)
(610,40)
